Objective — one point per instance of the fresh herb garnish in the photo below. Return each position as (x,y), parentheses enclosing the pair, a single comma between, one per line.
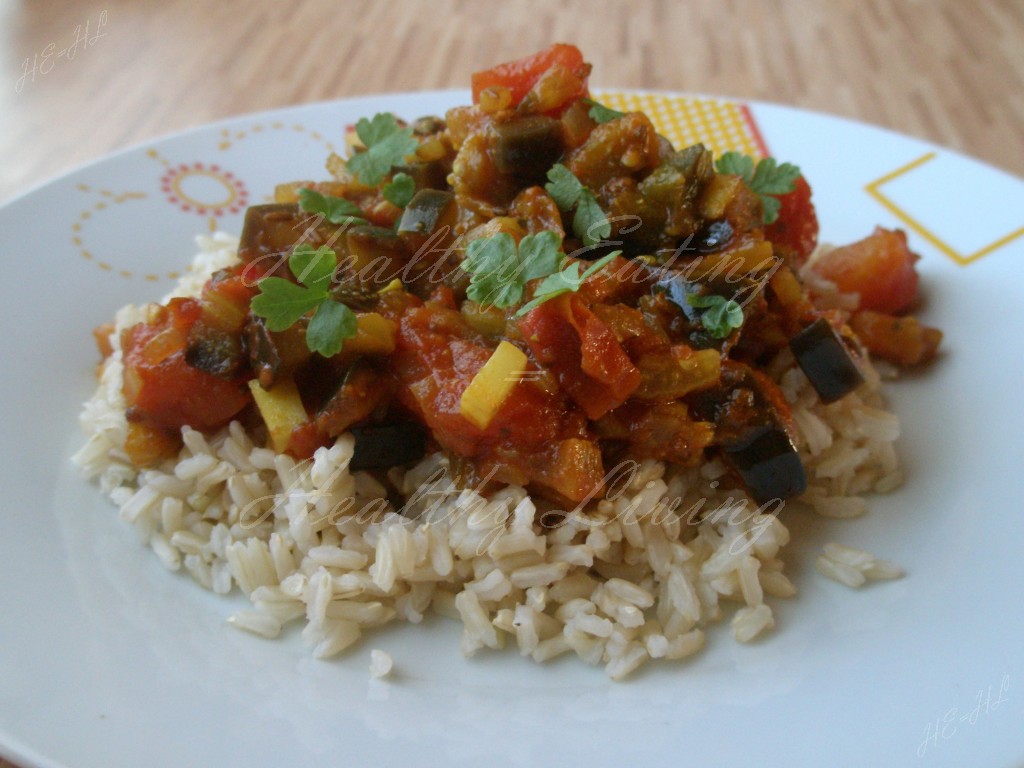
(336,210)
(400,189)
(589,223)
(720,315)
(567,280)
(499,270)
(387,145)
(282,303)
(599,113)
(768,179)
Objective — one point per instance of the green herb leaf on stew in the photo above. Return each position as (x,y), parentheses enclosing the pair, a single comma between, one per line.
(767,178)
(314,269)
(387,145)
(336,210)
(599,113)
(330,325)
(282,303)
(499,270)
(720,315)
(589,222)
(400,189)
(568,280)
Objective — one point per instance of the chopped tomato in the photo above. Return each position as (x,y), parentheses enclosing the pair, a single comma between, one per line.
(880,268)
(160,388)
(520,76)
(900,340)
(582,352)
(797,225)
(435,359)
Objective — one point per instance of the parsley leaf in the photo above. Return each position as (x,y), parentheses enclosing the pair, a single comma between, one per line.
(720,315)
(331,324)
(387,145)
(568,280)
(336,210)
(599,113)
(563,186)
(499,270)
(400,189)
(492,262)
(539,254)
(768,179)
(314,269)
(282,303)
(589,223)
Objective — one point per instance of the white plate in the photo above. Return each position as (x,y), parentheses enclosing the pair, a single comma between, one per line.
(107,659)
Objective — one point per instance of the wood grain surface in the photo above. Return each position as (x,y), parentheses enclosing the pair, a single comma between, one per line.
(944,70)
(81,78)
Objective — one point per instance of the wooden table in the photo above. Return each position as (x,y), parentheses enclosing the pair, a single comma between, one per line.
(81,78)
(944,70)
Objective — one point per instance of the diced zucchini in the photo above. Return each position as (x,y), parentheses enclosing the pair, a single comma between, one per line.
(427,213)
(375,335)
(492,384)
(485,319)
(717,194)
(281,408)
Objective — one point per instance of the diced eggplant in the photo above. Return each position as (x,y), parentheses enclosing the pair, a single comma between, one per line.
(377,256)
(527,147)
(272,354)
(270,231)
(214,351)
(424,217)
(678,289)
(432,175)
(427,125)
(751,420)
(767,462)
(359,394)
(387,445)
(714,236)
(828,362)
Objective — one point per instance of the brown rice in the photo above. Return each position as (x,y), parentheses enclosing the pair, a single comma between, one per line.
(637,576)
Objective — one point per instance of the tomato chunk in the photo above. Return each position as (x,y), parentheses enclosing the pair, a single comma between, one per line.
(160,388)
(582,352)
(797,225)
(521,75)
(880,268)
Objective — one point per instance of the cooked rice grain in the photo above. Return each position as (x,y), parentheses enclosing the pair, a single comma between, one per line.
(630,579)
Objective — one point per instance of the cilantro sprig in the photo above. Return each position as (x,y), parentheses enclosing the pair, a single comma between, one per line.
(767,178)
(387,145)
(568,280)
(282,303)
(499,271)
(599,113)
(720,315)
(589,222)
(400,189)
(336,210)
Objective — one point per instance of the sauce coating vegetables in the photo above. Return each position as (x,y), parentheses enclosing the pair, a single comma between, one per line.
(535,285)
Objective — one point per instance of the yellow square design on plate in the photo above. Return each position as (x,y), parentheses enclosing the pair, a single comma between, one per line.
(947,200)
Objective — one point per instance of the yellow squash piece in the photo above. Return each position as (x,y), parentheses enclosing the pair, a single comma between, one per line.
(492,384)
(281,409)
(375,335)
